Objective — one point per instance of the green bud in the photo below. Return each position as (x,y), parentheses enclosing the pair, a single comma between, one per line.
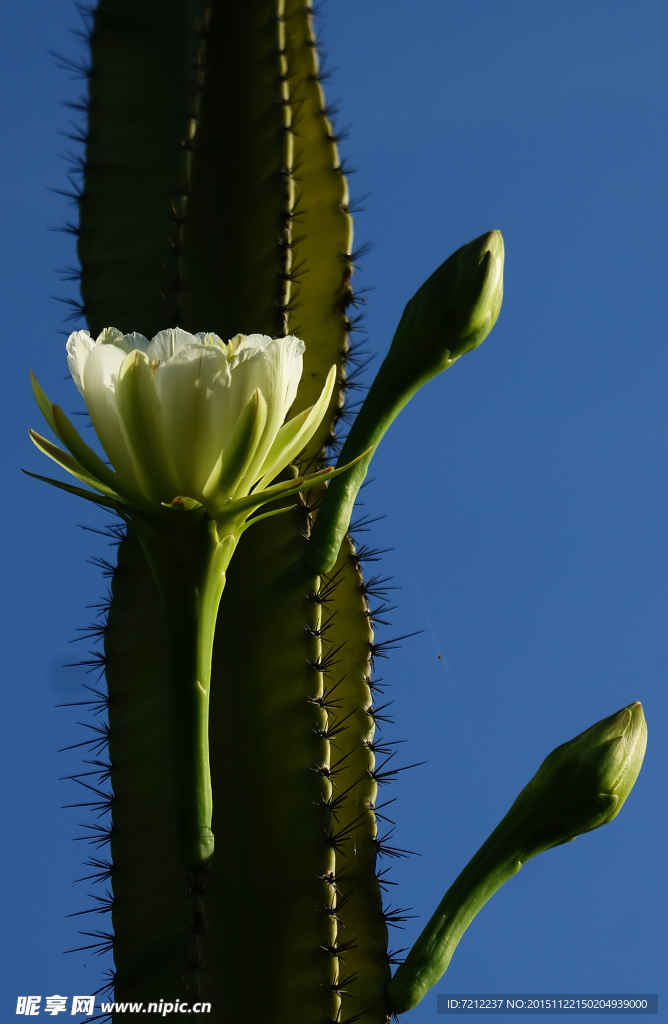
(582,784)
(579,787)
(451,314)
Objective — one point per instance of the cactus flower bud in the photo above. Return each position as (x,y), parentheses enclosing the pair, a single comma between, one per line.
(582,784)
(183,415)
(451,314)
(579,787)
(454,310)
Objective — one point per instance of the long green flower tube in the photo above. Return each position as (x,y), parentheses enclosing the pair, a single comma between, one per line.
(580,786)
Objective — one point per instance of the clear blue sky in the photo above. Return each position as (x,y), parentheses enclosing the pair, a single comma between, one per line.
(524,492)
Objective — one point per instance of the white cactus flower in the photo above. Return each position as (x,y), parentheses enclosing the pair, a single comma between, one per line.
(183,415)
(195,431)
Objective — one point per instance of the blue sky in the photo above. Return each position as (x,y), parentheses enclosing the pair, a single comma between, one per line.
(524,491)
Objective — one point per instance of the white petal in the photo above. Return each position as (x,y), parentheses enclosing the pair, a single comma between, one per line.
(130,342)
(193,390)
(245,347)
(141,415)
(169,343)
(99,379)
(295,438)
(274,366)
(103,364)
(79,346)
(109,336)
(208,338)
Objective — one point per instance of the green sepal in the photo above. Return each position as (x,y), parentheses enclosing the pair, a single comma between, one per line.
(284,438)
(290,442)
(240,508)
(65,431)
(85,455)
(91,469)
(265,515)
(79,491)
(42,399)
(240,450)
(68,462)
(183,504)
(140,412)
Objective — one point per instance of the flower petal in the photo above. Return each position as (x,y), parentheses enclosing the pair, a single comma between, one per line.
(193,390)
(238,453)
(129,342)
(102,364)
(79,346)
(141,415)
(99,383)
(274,365)
(110,336)
(167,344)
(290,442)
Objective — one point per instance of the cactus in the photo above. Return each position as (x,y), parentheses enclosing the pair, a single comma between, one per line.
(214,200)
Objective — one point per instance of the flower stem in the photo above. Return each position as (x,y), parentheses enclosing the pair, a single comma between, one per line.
(189,563)
(431,954)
